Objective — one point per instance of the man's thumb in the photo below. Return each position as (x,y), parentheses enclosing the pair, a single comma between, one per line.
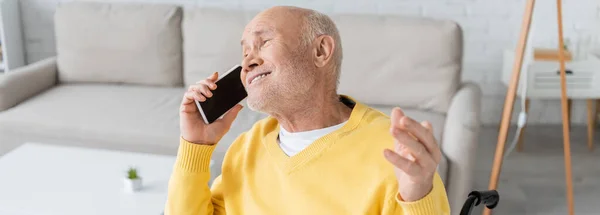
(232,114)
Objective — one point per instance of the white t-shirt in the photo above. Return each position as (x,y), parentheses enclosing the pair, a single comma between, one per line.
(292,143)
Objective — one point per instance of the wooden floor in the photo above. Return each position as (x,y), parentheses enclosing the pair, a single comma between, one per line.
(533,181)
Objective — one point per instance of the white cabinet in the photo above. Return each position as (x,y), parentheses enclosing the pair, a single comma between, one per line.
(11,36)
(542,78)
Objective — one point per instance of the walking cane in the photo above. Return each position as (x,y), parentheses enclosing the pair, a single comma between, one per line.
(489,198)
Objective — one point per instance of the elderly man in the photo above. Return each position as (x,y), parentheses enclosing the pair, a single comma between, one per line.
(318,152)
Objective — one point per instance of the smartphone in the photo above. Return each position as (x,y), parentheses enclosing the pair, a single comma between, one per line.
(230,91)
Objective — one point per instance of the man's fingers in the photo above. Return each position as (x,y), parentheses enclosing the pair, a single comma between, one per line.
(192,96)
(203,89)
(417,149)
(427,125)
(433,148)
(187,99)
(198,96)
(397,114)
(210,83)
(415,128)
(409,167)
(423,134)
(199,92)
(404,152)
(214,77)
(186,104)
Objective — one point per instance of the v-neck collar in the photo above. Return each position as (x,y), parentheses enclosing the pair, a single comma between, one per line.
(289,164)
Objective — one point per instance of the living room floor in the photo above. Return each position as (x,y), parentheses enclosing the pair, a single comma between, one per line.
(533,181)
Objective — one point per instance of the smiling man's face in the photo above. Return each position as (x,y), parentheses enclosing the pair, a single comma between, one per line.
(276,62)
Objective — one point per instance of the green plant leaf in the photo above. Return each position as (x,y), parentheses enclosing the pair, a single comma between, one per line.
(132,173)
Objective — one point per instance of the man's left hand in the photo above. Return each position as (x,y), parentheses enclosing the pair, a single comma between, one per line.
(415,157)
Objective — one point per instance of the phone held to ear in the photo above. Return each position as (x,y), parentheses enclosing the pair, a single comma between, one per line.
(230,91)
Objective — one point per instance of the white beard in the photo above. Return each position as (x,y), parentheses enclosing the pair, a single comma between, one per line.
(277,94)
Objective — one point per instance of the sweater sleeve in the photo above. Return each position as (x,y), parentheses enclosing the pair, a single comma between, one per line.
(434,203)
(188,191)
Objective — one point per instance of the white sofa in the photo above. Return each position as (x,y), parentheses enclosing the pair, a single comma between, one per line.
(121,70)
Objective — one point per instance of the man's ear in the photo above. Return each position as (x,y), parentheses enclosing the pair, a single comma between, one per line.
(323,50)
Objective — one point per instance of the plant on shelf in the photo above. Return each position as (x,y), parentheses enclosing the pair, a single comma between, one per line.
(132,182)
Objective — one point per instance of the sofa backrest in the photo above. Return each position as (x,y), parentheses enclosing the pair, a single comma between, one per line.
(119,43)
(388,60)
(400,61)
(212,41)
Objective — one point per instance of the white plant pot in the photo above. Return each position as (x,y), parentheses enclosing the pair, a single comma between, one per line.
(132,185)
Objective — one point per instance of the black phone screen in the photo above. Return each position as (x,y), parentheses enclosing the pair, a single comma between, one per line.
(230,91)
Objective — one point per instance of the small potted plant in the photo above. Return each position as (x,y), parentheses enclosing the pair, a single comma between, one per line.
(132,181)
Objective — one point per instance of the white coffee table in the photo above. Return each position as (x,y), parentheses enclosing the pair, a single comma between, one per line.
(40,179)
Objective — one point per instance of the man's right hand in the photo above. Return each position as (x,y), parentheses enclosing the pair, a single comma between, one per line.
(193,128)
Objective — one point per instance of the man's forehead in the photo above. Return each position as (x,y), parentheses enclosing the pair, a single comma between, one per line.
(277,20)
(257,30)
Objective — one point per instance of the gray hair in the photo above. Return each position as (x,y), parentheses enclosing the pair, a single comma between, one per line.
(317,24)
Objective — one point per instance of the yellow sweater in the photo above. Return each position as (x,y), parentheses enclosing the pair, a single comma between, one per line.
(343,172)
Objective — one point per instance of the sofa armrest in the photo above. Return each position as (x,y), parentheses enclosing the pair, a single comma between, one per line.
(25,82)
(459,142)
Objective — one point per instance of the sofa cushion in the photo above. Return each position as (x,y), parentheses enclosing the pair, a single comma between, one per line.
(136,118)
(212,41)
(119,116)
(437,122)
(389,60)
(119,43)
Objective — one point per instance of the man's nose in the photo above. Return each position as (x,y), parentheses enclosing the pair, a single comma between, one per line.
(251,61)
